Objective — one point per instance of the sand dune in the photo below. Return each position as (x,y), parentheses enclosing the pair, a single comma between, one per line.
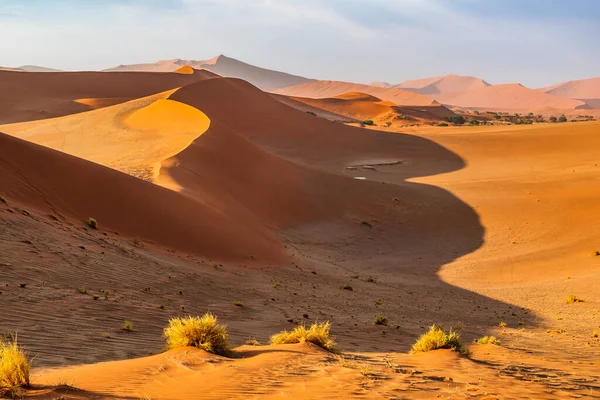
(328,89)
(361,107)
(509,97)
(34,96)
(581,89)
(443,85)
(265,79)
(132,137)
(37,68)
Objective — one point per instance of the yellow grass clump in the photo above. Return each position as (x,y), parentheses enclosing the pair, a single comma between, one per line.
(437,338)
(201,332)
(317,333)
(488,340)
(14,365)
(573,299)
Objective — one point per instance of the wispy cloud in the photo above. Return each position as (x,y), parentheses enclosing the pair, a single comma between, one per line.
(358,40)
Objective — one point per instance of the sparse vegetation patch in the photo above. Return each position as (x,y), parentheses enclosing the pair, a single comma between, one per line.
(573,299)
(201,332)
(92,223)
(381,320)
(317,333)
(14,365)
(437,338)
(488,340)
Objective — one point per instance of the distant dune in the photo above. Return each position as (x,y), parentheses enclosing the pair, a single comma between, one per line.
(362,106)
(262,78)
(36,68)
(36,96)
(328,89)
(581,89)
(509,97)
(443,85)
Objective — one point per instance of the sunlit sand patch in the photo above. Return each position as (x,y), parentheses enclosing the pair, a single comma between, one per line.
(133,137)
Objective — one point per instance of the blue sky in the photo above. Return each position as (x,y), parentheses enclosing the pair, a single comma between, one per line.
(535,42)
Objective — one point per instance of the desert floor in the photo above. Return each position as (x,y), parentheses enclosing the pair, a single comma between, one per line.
(465,227)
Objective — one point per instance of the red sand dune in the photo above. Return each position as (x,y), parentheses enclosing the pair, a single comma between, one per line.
(509,97)
(581,89)
(34,96)
(186,70)
(262,78)
(61,184)
(362,106)
(443,85)
(328,89)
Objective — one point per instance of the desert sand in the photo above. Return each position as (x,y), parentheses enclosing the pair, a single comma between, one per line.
(265,79)
(253,201)
(328,89)
(443,85)
(358,107)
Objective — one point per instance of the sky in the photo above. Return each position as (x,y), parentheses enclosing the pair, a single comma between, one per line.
(534,42)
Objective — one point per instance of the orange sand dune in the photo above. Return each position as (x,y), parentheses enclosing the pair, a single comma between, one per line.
(328,89)
(34,96)
(362,106)
(582,89)
(221,65)
(443,85)
(95,103)
(509,97)
(60,184)
(133,137)
(186,70)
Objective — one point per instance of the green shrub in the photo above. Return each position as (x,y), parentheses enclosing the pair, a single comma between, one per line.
(318,333)
(456,119)
(562,118)
(311,113)
(201,332)
(368,122)
(437,338)
(442,124)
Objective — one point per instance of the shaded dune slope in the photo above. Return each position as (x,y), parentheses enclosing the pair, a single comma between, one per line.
(64,185)
(33,96)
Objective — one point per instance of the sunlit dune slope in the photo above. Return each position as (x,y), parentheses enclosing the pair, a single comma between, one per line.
(443,84)
(133,137)
(60,184)
(580,89)
(34,96)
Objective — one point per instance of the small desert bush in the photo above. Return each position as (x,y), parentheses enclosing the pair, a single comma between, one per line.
(2,199)
(595,334)
(368,122)
(502,325)
(127,326)
(381,320)
(573,299)
(14,365)
(251,342)
(201,332)
(238,304)
(92,223)
(597,253)
(317,333)
(442,124)
(488,340)
(437,338)
(346,287)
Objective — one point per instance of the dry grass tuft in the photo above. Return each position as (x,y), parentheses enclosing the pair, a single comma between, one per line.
(488,340)
(127,326)
(318,333)
(437,338)
(201,332)
(573,299)
(14,365)
(92,223)
(381,319)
